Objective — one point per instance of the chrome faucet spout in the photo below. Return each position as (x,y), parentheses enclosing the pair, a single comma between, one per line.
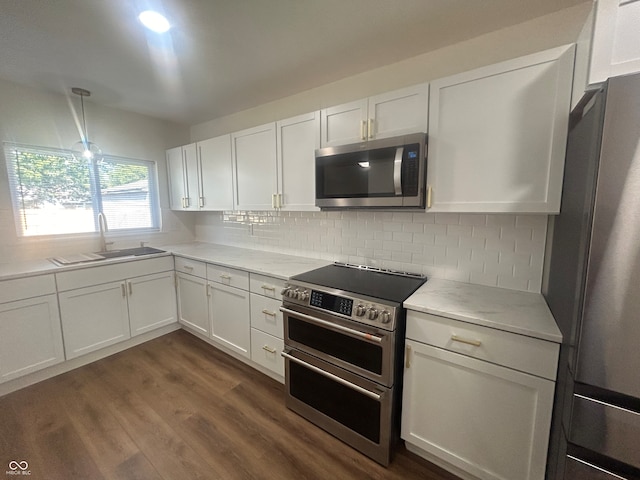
(102,224)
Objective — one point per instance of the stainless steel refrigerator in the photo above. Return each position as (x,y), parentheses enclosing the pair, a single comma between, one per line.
(592,286)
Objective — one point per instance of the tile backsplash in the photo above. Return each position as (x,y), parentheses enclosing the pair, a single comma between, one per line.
(498,249)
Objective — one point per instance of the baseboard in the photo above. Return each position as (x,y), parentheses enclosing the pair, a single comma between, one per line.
(68,365)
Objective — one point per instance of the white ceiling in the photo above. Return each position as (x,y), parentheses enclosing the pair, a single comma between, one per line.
(224,56)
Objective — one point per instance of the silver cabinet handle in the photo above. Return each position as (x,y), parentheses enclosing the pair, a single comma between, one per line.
(268,287)
(130,287)
(333,377)
(269,349)
(363,126)
(267,312)
(201,204)
(407,356)
(429,196)
(224,276)
(333,326)
(122,288)
(273,200)
(475,343)
(370,128)
(397,171)
(188,267)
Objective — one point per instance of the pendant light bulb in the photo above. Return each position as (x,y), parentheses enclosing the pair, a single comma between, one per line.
(84,149)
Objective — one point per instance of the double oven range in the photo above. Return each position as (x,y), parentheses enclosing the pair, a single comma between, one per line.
(344,329)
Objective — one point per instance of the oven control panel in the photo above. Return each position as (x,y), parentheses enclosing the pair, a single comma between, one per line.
(363,311)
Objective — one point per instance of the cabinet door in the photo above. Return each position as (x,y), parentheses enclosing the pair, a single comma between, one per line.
(497,136)
(152,302)
(229,316)
(175,172)
(298,138)
(616,40)
(30,336)
(216,179)
(399,112)
(94,317)
(254,157)
(192,303)
(490,421)
(343,124)
(191,177)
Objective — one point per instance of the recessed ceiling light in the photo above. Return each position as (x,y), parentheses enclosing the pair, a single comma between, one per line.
(154,21)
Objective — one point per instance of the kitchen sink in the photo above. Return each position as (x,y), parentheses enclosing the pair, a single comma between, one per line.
(81,258)
(129,252)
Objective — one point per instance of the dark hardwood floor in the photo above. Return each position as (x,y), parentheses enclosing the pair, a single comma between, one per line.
(176,408)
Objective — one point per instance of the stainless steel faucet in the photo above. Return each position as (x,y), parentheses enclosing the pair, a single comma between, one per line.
(104,228)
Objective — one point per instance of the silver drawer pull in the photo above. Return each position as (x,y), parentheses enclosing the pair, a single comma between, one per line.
(269,349)
(269,287)
(224,276)
(188,267)
(267,312)
(332,326)
(475,343)
(333,377)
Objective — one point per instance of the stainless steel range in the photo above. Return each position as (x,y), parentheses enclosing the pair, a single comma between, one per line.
(344,341)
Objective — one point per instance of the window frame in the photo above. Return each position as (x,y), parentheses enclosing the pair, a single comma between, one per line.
(95,190)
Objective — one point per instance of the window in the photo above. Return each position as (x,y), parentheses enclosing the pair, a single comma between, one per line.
(54,193)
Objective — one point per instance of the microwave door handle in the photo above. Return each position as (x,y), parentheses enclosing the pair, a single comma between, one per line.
(397,171)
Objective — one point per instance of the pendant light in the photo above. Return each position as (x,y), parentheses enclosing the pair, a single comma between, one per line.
(84,149)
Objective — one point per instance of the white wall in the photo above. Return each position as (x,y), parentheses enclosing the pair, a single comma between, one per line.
(545,32)
(36,117)
(497,250)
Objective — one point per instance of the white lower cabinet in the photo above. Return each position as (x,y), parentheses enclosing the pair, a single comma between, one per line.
(94,317)
(266,350)
(229,317)
(152,302)
(486,421)
(267,325)
(30,336)
(120,301)
(193,310)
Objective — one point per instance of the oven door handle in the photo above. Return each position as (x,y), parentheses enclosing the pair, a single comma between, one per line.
(333,377)
(332,325)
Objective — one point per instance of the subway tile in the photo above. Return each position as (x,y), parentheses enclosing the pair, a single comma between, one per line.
(459,230)
(413,227)
(507,281)
(402,217)
(516,233)
(423,217)
(435,229)
(501,220)
(500,245)
(489,279)
(402,237)
(473,219)
(475,243)
(392,227)
(392,246)
(486,232)
(447,240)
(447,218)
(412,247)
(424,238)
(401,257)
(422,259)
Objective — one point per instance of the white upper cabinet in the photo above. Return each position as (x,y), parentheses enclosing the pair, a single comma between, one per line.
(497,136)
(175,172)
(254,167)
(297,140)
(200,175)
(215,166)
(387,115)
(616,39)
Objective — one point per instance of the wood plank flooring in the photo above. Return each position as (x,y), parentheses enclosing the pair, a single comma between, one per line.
(176,408)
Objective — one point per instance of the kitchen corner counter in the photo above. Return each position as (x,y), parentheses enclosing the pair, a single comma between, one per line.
(503,309)
(256,261)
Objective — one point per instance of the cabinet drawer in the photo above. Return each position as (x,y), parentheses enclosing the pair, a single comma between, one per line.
(28,287)
(265,351)
(228,276)
(192,267)
(266,315)
(112,273)
(267,286)
(531,355)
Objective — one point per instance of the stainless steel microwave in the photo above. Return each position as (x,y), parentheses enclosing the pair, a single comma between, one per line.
(386,173)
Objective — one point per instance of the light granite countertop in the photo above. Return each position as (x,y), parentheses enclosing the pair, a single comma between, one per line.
(257,261)
(509,310)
